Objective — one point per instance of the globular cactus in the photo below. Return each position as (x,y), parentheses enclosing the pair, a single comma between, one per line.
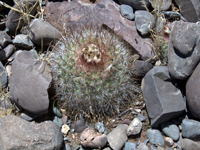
(91,72)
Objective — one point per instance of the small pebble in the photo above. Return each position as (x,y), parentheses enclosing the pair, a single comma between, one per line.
(169,141)
(57,112)
(67,139)
(141,117)
(100,127)
(57,121)
(67,146)
(65,129)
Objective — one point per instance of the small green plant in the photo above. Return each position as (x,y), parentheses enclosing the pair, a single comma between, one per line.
(91,72)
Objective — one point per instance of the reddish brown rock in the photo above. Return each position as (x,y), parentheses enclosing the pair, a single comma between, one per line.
(105,12)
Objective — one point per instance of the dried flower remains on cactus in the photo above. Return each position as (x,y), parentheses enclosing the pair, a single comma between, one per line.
(91,72)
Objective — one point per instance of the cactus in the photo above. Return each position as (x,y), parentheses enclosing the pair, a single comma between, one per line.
(90,67)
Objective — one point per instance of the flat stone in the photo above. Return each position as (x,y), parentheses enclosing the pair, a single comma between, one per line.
(16,133)
(155,137)
(4,39)
(130,146)
(127,12)
(29,83)
(144,21)
(158,88)
(188,144)
(171,130)
(91,139)
(13,21)
(142,146)
(183,49)
(192,92)
(190,9)
(37,34)
(79,126)
(4,76)
(117,137)
(191,129)
(22,40)
(7,52)
(105,12)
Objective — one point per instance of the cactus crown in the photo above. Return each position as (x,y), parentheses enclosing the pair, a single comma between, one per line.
(91,72)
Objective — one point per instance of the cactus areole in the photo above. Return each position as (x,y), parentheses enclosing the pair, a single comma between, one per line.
(90,67)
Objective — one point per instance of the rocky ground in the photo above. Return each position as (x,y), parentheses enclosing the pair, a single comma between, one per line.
(165,43)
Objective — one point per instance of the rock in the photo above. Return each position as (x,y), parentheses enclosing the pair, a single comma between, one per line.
(14,20)
(127,12)
(19,134)
(144,21)
(37,34)
(29,83)
(64,119)
(4,76)
(79,126)
(155,137)
(100,127)
(164,6)
(29,116)
(188,144)
(140,68)
(7,52)
(171,130)
(104,12)
(4,39)
(183,49)
(192,92)
(142,146)
(169,141)
(158,88)
(57,121)
(57,112)
(135,127)
(130,146)
(23,41)
(67,146)
(127,121)
(92,139)
(160,148)
(159,24)
(191,129)
(117,137)
(141,117)
(135,4)
(65,129)
(190,9)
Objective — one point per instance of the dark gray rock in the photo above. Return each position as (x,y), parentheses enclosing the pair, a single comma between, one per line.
(163,100)
(130,146)
(188,144)
(141,117)
(23,41)
(29,83)
(191,129)
(183,49)
(16,133)
(37,34)
(138,5)
(155,137)
(134,127)
(117,137)
(4,39)
(164,6)
(7,52)
(171,130)
(193,93)
(57,121)
(144,21)
(127,12)
(67,147)
(79,126)
(140,68)
(190,9)
(14,20)
(4,76)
